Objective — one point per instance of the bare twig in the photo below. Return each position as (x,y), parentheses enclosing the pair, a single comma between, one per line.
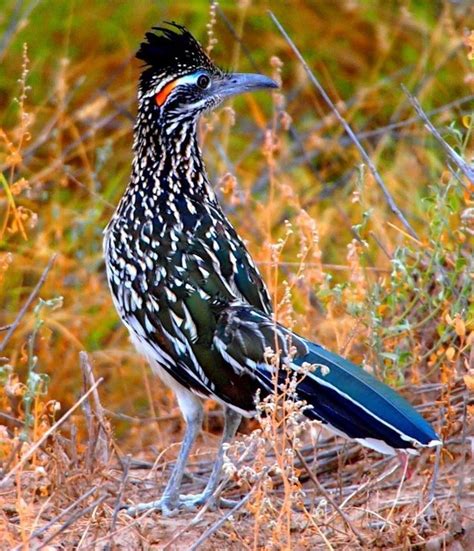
(97,435)
(73,519)
(123,483)
(17,20)
(462,473)
(13,454)
(399,490)
(335,267)
(48,433)
(329,498)
(464,167)
(115,104)
(160,419)
(91,436)
(407,122)
(57,518)
(12,420)
(212,529)
(83,186)
(30,299)
(369,483)
(383,249)
(391,203)
(431,495)
(236,37)
(125,528)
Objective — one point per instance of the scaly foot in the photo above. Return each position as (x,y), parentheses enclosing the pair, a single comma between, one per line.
(164,505)
(197,500)
(170,507)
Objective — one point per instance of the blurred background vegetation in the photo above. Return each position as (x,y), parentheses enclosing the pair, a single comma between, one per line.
(341,267)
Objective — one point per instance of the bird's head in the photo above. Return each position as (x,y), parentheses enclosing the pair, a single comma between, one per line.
(180,81)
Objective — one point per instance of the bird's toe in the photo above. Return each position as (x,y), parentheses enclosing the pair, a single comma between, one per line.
(192,502)
(165,506)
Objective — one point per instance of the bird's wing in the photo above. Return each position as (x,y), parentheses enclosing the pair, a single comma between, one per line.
(217,245)
(196,278)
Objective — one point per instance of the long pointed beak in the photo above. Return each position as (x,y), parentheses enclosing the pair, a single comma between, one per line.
(238,83)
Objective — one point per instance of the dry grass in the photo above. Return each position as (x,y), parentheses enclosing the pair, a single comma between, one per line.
(340,265)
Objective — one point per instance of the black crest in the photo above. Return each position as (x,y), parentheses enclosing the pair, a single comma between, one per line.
(171,51)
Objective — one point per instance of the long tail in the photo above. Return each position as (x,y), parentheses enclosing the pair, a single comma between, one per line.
(340,394)
(356,405)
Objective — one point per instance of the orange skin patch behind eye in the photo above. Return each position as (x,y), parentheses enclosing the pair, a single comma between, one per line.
(160,98)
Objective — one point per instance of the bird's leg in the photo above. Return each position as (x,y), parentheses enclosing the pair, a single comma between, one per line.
(405,465)
(169,502)
(232,421)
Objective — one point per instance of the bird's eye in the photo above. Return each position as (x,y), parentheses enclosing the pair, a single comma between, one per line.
(203,81)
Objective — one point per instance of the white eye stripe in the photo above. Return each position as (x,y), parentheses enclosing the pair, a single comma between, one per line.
(164,91)
(189,79)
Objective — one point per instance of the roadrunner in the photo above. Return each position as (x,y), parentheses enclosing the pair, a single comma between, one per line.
(195,304)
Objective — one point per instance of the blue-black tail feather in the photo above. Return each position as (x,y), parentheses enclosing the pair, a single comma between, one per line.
(356,404)
(339,393)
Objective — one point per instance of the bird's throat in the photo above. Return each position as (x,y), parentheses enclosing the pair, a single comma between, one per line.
(168,161)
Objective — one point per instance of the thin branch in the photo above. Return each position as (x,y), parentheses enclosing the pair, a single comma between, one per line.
(462,472)
(97,429)
(27,304)
(399,489)
(11,419)
(407,122)
(123,483)
(370,483)
(212,529)
(236,37)
(48,433)
(329,499)
(73,519)
(86,188)
(17,20)
(391,203)
(161,419)
(464,167)
(382,248)
(335,267)
(434,481)
(123,529)
(58,517)
(13,454)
